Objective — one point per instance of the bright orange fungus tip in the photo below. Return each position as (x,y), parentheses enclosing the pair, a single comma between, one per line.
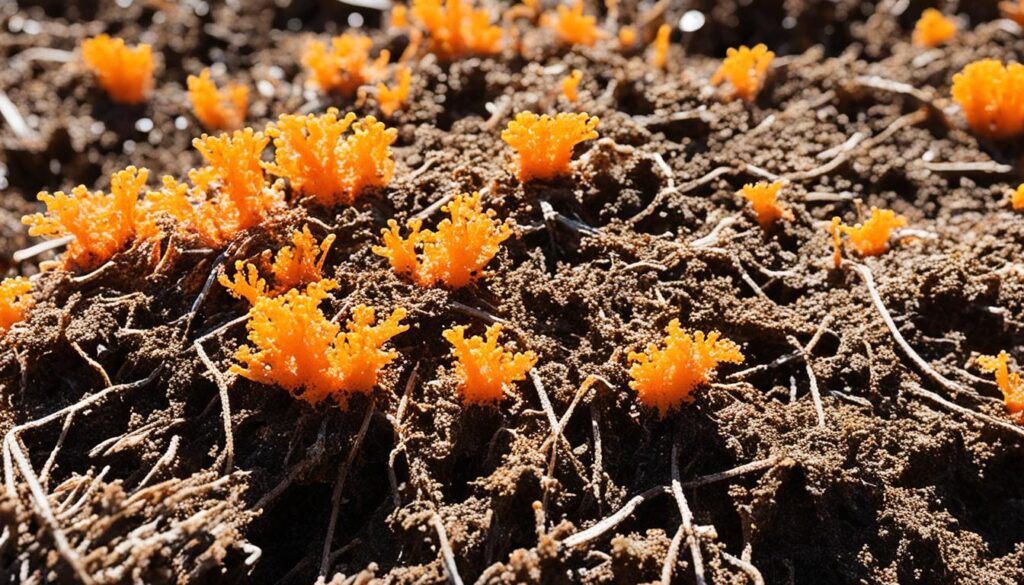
(627,37)
(486,370)
(297,348)
(102,224)
(15,301)
(1017,199)
(345,65)
(572,26)
(664,377)
(661,46)
(216,109)
(399,18)
(570,84)
(1013,10)
(545,144)
(242,198)
(870,238)
(391,99)
(746,69)
(294,266)
(125,73)
(455,254)
(933,28)
(312,154)
(764,198)
(992,97)
(457,29)
(1011,383)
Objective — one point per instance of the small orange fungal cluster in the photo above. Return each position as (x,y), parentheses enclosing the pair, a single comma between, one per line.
(230,194)
(1013,10)
(312,154)
(391,99)
(764,198)
(1017,198)
(293,267)
(665,376)
(572,27)
(933,28)
(125,73)
(101,224)
(545,143)
(1010,383)
(345,65)
(746,69)
(455,254)
(15,301)
(456,29)
(217,109)
(570,85)
(295,346)
(486,370)
(661,46)
(870,238)
(991,96)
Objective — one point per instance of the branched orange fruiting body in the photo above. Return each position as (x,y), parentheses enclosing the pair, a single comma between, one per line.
(453,255)
(1013,10)
(1011,383)
(661,46)
(102,223)
(486,370)
(746,69)
(302,262)
(545,144)
(294,266)
(391,99)
(15,301)
(764,198)
(1017,199)
(933,28)
(317,161)
(125,73)
(871,238)
(456,28)
(399,18)
(992,97)
(345,65)
(218,110)
(573,27)
(664,377)
(243,197)
(300,350)
(247,283)
(191,212)
(627,37)
(570,84)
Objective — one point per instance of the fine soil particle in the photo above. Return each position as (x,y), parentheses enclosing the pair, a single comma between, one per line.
(891,487)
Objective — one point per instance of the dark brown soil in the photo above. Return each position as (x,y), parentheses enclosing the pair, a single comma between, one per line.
(892,488)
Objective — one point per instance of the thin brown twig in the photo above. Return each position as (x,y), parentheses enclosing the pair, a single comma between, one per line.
(339,486)
(225,403)
(446,550)
(686,522)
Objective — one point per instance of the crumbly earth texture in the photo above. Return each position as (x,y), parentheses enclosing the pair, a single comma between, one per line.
(115,450)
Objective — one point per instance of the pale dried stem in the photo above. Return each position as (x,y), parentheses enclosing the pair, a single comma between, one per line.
(339,486)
